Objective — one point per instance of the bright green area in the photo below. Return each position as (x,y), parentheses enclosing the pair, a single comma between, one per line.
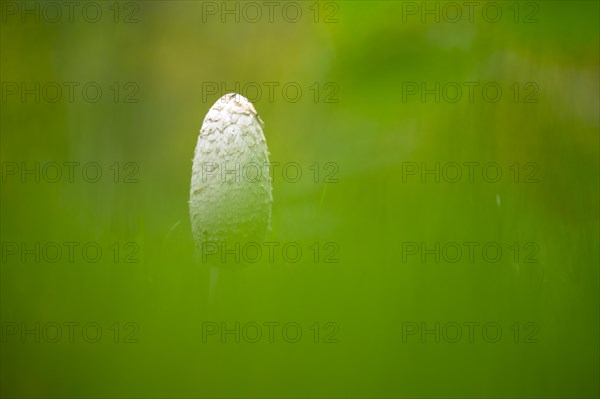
(372,134)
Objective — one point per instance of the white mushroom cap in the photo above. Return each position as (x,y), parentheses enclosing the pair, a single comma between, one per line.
(230,193)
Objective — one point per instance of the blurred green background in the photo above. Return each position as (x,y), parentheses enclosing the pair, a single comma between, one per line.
(365,55)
